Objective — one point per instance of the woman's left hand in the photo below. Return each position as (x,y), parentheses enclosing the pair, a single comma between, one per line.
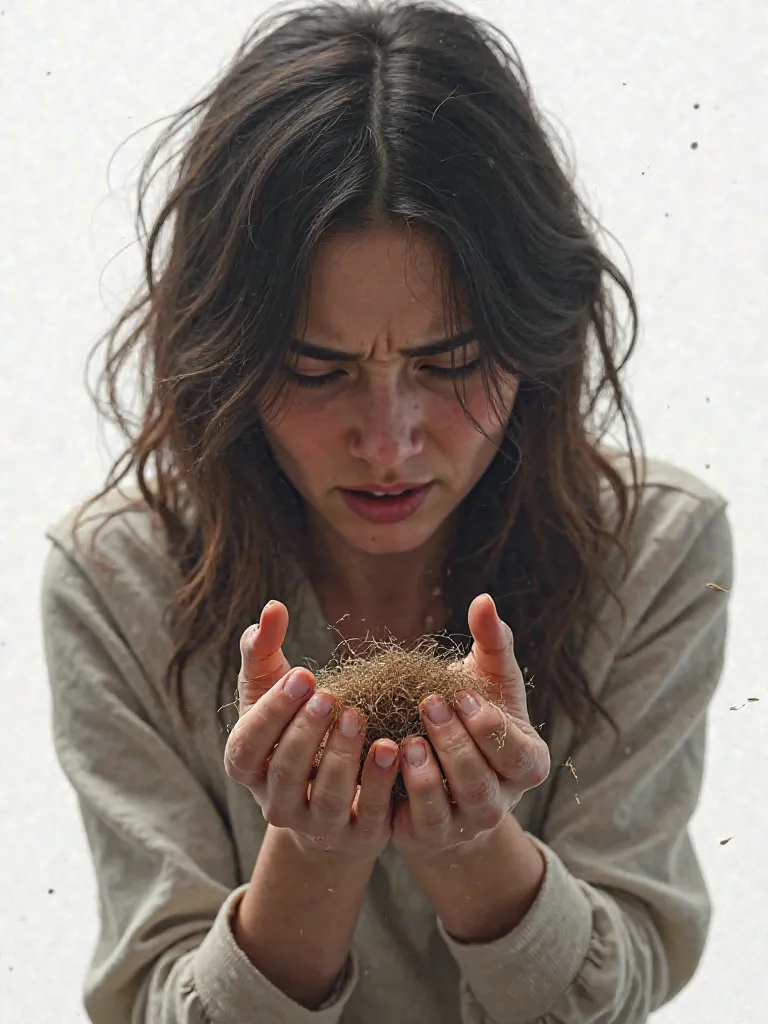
(487,775)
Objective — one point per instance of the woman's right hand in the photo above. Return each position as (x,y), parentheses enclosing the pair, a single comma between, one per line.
(272,748)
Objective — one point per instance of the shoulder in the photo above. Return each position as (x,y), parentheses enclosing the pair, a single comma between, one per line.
(111,570)
(674,505)
(661,477)
(679,543)
(115,539)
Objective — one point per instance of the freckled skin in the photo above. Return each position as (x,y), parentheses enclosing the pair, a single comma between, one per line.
(385,419)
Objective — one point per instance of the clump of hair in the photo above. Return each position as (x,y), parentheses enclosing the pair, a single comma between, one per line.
(387,682)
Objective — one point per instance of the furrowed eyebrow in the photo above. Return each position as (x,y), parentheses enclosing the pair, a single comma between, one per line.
(335,355)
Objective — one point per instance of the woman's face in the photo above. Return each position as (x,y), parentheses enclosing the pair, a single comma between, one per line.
(367,410)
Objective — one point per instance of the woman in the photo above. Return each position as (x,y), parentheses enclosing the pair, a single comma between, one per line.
(374,341)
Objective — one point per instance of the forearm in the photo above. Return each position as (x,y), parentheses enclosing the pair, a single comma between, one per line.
(483,892)
(296,920)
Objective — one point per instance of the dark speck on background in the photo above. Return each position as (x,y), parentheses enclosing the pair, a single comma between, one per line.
(50,892)
(694,145)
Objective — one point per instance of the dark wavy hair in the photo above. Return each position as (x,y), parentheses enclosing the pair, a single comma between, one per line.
(334,116)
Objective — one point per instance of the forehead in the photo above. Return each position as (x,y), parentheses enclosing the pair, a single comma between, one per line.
(378,283)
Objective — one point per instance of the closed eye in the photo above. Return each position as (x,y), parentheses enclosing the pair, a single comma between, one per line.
(314,380)
(452,372)
(321,380)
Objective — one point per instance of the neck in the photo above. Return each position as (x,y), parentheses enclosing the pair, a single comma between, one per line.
(389,593)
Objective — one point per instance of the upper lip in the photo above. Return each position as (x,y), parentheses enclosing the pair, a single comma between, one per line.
(386,488)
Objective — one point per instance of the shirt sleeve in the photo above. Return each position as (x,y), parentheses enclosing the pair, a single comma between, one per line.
(621,919)
(163,858)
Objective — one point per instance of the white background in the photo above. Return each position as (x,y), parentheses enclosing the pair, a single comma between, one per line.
(620,81)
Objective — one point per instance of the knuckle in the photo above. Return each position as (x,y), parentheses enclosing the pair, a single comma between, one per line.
(265,714)
(373,811)
(479,793)
(492,726)
(328,803)
(508,646)
(540,771)
(455,743)
(343,762)
(238,755)
(375,801)
(276,816)
(371,821)
(435,821)
(282,775)
(488,816)
(506,649)
(526,760)
(234,771)
(252,685)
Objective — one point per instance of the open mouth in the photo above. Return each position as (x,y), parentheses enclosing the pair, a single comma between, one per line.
(389,507)
(386,496)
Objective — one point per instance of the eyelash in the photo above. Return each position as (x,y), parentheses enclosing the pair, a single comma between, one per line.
(442,373)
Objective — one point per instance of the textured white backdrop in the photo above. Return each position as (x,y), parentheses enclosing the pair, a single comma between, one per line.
(622,81)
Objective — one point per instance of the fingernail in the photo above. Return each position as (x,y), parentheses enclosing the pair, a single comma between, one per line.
(296,685)
(416,753)
(467,703)
(320,704)
(384,756)
(437,711)
(349,723)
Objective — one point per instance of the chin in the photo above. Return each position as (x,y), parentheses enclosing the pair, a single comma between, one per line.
(393,539)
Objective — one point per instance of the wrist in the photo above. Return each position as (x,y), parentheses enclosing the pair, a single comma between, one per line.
(460,853)
(316,854)
(296,919)
(484,891)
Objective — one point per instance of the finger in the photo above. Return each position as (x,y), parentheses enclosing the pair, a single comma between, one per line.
(255,735)
(493,656)
(335,785)
(430,810)
(291,763)
(374,798)
(473,781)
(262,660)
(513,749)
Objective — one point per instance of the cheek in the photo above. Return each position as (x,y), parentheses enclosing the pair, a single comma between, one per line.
(301,439)
(455,431)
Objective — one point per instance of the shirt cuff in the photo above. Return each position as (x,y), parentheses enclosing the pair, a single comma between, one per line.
(232,989)
(520,977)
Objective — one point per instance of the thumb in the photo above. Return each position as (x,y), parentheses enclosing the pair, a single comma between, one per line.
(493,655)
(262,660)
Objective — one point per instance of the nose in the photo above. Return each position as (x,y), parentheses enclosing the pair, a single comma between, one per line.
(389,430)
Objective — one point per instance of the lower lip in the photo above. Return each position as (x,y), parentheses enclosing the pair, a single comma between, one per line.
(386,510)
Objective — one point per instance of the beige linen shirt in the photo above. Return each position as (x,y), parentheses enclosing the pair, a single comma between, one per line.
(621,919)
